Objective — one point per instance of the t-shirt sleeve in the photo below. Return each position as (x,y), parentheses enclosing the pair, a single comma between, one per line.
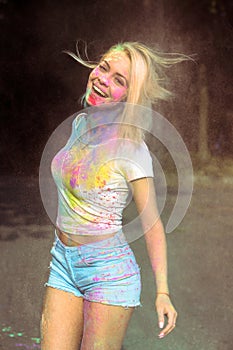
(136,162)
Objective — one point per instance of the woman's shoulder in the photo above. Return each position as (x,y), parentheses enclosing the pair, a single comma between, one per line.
(78,117)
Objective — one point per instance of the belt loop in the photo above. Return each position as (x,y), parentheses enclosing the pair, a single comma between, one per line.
(120,237)
(56,235)
(79,249)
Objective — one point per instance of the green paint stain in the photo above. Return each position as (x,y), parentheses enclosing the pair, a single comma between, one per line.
(9,333)
(6,329)
(36,340)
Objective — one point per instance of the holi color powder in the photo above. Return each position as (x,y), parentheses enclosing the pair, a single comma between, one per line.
(13,339)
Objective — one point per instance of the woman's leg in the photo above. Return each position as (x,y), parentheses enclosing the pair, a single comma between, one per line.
(104,326)
(62,320)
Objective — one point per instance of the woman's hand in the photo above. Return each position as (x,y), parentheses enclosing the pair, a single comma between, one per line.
(164,307)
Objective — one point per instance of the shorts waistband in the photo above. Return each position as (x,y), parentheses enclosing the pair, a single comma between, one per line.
(115,241)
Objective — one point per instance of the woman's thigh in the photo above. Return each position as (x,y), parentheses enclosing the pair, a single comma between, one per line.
(62,320)
(104,326)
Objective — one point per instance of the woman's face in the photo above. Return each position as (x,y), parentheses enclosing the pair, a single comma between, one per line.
(109,81)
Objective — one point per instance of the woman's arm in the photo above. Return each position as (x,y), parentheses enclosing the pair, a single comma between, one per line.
(145,200)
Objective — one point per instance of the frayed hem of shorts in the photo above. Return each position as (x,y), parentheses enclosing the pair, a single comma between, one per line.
(110,303)
(113,303)
(64,290)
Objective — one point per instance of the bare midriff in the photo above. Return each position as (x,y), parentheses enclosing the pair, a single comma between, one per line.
(71,240)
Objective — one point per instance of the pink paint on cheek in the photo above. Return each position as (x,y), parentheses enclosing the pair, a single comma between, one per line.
(118,95)
(95,72)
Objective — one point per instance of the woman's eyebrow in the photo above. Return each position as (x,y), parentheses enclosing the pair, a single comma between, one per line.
(106,62)
(121,75)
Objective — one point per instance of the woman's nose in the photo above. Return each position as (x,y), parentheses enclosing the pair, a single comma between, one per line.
(104,80)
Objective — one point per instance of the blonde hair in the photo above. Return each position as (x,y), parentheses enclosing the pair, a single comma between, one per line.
(147,79)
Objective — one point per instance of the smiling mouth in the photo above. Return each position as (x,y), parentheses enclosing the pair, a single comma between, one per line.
(99,92)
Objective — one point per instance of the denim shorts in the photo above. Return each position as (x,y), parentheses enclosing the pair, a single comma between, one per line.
(105,271)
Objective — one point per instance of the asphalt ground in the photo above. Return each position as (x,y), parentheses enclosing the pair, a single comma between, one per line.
(200,271)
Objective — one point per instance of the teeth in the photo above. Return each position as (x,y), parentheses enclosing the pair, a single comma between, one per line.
(99,91)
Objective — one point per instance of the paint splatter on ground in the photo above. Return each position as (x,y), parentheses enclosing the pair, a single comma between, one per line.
(18,339)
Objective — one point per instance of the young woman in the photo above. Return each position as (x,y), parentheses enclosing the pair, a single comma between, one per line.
(94,283)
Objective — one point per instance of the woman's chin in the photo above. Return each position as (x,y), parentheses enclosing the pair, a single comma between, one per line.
(94,100)
(97,102)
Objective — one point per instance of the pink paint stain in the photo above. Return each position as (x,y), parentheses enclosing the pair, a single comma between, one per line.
(96,279)
(28,347)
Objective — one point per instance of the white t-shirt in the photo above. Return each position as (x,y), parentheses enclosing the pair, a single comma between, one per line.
(92,178)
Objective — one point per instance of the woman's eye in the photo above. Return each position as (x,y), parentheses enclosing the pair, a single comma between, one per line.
(102,68)
(120,81)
